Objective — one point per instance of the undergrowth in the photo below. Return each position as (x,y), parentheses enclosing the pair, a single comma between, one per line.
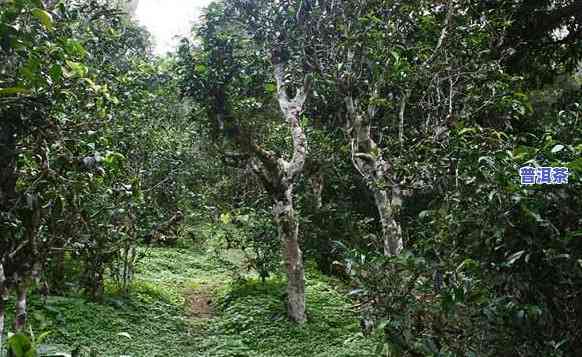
(248,315)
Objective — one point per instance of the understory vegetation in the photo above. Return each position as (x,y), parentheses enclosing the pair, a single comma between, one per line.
(184,302)
(298,178)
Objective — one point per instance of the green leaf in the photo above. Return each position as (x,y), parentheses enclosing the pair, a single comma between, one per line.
(124,334)
(225,218)
(44,17)
(557,148)
(31,70)
(396,56)
(514,257)
(468,265)
(42,337)
(12,91)
(20,345)
(114,33)
(56,72)
(524,152)
(467,130)
(77,69)
(270,88)
(74,48)
(575,165)
(113,160)
(94,87)
(425,214)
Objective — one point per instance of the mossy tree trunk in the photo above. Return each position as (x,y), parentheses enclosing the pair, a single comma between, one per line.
(378,175)
(278,176)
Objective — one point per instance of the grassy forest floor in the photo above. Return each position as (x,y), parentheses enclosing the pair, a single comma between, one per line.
(186,303)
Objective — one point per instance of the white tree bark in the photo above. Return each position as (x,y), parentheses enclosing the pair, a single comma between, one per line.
(376,172)
(283,208)
(21,315)
(391,231)
(288,226)
(278,176)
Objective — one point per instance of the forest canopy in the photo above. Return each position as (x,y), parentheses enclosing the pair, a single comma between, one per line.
(393,177)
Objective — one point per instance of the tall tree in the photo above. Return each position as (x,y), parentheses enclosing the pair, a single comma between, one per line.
(224,63)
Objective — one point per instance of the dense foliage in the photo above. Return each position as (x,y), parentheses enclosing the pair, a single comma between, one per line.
(96,148)
(380,140)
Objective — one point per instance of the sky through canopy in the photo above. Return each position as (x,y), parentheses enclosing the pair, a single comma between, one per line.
(168,20)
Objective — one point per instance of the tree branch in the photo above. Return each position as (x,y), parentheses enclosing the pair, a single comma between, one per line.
(401,117)
(266,157)
(443,34)
(291,111)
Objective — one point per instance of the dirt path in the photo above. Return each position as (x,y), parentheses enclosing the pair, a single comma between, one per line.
(199,303)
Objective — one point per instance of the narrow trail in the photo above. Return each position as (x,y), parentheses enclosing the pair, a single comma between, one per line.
(199,303)
(186,303)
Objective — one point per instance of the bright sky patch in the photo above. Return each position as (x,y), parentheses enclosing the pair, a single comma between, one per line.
(169,20)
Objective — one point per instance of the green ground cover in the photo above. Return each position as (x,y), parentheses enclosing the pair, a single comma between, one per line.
(186,303)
